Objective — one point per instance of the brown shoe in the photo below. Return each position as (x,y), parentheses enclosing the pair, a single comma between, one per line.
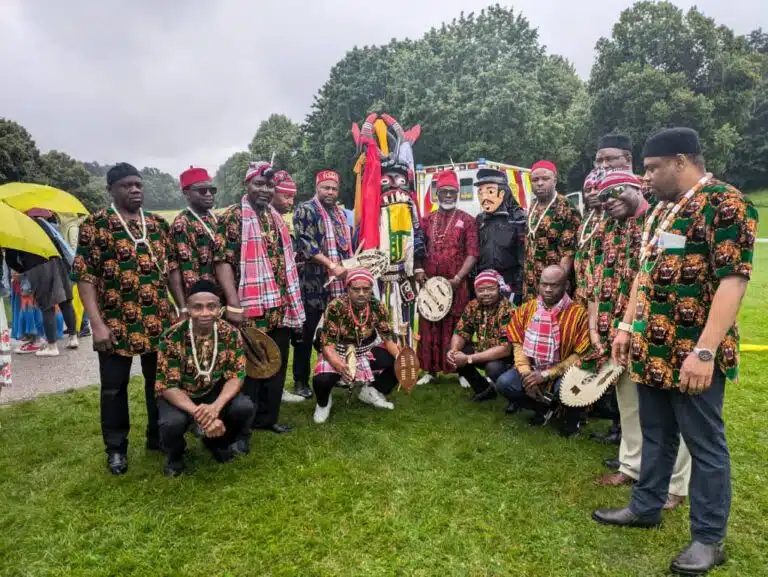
(673,502)
(615,480)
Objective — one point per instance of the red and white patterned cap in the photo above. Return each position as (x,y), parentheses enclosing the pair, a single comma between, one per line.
(358,274)
(619,178)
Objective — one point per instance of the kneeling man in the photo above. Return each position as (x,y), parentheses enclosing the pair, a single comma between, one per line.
(200,372)
(355,319)
(486,318)
(548,335)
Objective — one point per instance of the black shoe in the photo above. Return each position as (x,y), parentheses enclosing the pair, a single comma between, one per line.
(277,428)
(117,463)
(241,447)
(537,420)
(698,558)
(153,445)
(612,437)
(623,518)
(570,429)
(173,468)
(612,464)
(512,408)
(222,454)
(302,390)
(486,395)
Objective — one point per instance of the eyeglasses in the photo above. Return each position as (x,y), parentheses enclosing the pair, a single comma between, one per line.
(210,190)
(601,160)
(611,193)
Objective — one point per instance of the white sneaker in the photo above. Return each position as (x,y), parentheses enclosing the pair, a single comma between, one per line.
(425,380)
(289,397)
(464,383)
(73,342)
(322,413)
(371,396)
(48,351)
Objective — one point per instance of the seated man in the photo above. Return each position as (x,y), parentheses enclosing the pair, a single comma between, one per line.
(200,372)
(359,320)
(548,335)
(486,316)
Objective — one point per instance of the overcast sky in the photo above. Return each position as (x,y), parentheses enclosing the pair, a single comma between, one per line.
(172,83)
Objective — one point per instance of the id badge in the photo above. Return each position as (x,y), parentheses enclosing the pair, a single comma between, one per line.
(668,240)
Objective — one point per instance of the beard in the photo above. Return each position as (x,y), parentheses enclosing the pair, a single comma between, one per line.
(447,205)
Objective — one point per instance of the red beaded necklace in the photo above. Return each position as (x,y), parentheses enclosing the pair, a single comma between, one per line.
(362,322)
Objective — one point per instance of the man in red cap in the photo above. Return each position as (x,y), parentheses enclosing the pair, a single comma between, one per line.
(451,251)
(552,226)
(194,236)
(323,240)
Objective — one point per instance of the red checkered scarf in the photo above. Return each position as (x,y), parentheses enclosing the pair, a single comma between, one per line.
(336,288)
(258,288)
(542,336)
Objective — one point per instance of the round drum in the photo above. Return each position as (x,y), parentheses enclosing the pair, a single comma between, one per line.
(435,299)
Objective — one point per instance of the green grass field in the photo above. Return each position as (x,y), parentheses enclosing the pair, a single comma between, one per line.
(440,486)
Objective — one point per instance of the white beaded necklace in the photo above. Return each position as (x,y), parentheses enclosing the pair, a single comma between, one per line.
(647,246)
(583,239)
(205,374)
(205,225)
(532,230)
(137,241)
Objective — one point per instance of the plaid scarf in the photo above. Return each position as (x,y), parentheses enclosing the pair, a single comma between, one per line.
(542,336)
(336,288)
(258,289)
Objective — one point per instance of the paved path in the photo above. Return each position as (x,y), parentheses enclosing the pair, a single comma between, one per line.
(33,376)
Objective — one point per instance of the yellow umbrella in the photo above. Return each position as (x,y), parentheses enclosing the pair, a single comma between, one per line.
(25,195)
(20,232)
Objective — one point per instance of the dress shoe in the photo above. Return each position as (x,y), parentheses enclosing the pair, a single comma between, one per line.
(612,464)
(612,437)
(117,463)
(241,447)
(698,558)
(616,479)
(537,420)
(173,467)
(673,502)
(302,390)
(486,395)
(512,408)
(277,428)
(623,518)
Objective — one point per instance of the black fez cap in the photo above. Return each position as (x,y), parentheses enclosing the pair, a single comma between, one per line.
(620,141)
(204,286)
(491,176)
(671,142)
(120,171)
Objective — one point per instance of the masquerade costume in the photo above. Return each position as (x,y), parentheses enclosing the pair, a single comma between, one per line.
(385,212)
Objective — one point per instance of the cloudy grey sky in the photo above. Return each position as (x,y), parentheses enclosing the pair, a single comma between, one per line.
(169,83)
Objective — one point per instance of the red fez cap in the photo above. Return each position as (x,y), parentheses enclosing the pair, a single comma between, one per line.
(324,175)
(193,176)
(544,164)
(448,179)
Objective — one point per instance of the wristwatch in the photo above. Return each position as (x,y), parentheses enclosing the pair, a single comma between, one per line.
(469,359)
(705,355)
(626,327)
(545,375)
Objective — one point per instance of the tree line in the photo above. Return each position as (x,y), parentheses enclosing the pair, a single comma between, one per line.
(482,85)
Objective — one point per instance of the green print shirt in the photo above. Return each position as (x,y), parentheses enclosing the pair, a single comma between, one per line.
(193,248)
(489,325)
(675,290)
(132,290)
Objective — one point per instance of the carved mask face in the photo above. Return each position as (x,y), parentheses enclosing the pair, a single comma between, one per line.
(393,181)
(490,197)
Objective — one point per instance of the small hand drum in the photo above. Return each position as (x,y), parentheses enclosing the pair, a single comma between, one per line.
(262,355)
(435,299)
(580,388)
(407,368)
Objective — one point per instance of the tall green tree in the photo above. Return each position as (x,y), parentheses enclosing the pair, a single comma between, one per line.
(64,172)
(229,178)
(19,156)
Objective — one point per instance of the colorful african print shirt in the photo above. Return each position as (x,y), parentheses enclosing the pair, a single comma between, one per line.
(310,234)
(487,324)
(615,257)
(339,326)
(132,290)
(555,238)
(582,260)
(193,247)
(675,290)
(231,232)
(450,238)
(176,365)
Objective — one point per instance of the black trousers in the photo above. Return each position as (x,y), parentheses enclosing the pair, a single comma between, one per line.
(266,394)
(493,370)
(237,415)
(384,382)
(302,352)
(115,372)
(49,321)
